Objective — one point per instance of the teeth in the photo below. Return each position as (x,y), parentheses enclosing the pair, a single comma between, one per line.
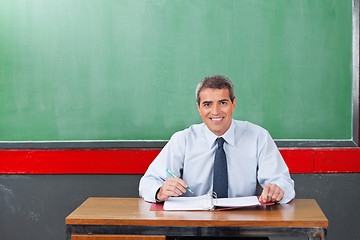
(216,119)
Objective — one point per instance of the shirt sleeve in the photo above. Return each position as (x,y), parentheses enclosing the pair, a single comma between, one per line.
(171,157)
(272,167)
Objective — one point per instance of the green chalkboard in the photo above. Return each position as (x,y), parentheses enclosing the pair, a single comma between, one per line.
(127,70)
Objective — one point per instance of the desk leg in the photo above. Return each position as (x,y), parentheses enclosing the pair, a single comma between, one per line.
(319,234)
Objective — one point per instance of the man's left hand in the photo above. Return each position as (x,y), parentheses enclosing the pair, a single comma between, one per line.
(271,193)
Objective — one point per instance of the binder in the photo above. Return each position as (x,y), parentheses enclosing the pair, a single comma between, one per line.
(207,202)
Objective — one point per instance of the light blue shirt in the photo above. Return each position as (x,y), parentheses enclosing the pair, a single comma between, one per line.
(250,152)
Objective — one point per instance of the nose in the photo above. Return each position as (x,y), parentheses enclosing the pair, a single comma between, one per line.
(215,110)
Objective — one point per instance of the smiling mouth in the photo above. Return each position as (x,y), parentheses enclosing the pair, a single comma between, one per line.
(216,119)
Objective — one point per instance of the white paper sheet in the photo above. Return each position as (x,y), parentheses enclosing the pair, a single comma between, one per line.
(188,203)
(205,202)
(237,202)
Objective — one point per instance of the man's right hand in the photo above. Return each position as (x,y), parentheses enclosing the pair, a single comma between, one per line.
(172,187)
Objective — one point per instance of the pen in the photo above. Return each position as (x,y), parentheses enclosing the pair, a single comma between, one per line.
(171,174)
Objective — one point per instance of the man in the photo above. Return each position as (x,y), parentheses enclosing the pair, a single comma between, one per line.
(249,152)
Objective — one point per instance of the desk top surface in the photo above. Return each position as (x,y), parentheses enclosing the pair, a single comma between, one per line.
(135,211)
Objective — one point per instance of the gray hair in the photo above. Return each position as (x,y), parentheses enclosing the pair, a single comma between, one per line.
(215,82)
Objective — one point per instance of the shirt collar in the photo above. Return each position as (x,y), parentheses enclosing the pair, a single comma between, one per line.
(229,136)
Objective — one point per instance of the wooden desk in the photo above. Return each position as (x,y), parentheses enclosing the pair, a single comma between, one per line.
(132,216)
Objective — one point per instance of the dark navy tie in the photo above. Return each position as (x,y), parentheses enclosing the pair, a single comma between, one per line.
(220,171)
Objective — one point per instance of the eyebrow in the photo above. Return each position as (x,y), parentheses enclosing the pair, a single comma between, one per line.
(222,100)
(206,102)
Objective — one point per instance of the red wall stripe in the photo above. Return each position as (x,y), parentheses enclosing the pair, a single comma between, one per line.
(75,161)
(299,160)
(337,160)
(137,161)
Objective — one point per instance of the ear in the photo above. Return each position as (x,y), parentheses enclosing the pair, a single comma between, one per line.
(198,106)
(233,105)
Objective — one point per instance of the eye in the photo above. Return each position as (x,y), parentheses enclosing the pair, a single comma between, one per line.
(206,104)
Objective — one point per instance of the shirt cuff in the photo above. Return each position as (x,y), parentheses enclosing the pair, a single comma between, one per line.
(156,199)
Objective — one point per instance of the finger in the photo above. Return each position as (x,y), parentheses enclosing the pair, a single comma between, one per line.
(271,192)
(172,191)
(179,189)
(175,186)
(176,181)
(280,196)
(163,194)
(275,196)
(167,190)
(264,193)
(178,186)
(182,185)
(275,193)
(268,192)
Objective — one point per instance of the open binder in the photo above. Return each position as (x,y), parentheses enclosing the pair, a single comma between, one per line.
(207,202)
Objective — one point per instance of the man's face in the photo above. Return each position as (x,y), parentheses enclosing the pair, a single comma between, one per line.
(216,109)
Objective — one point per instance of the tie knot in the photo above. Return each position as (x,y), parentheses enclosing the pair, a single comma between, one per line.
(220,141)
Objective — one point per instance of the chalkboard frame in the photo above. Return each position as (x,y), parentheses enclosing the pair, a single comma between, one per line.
(151,144)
